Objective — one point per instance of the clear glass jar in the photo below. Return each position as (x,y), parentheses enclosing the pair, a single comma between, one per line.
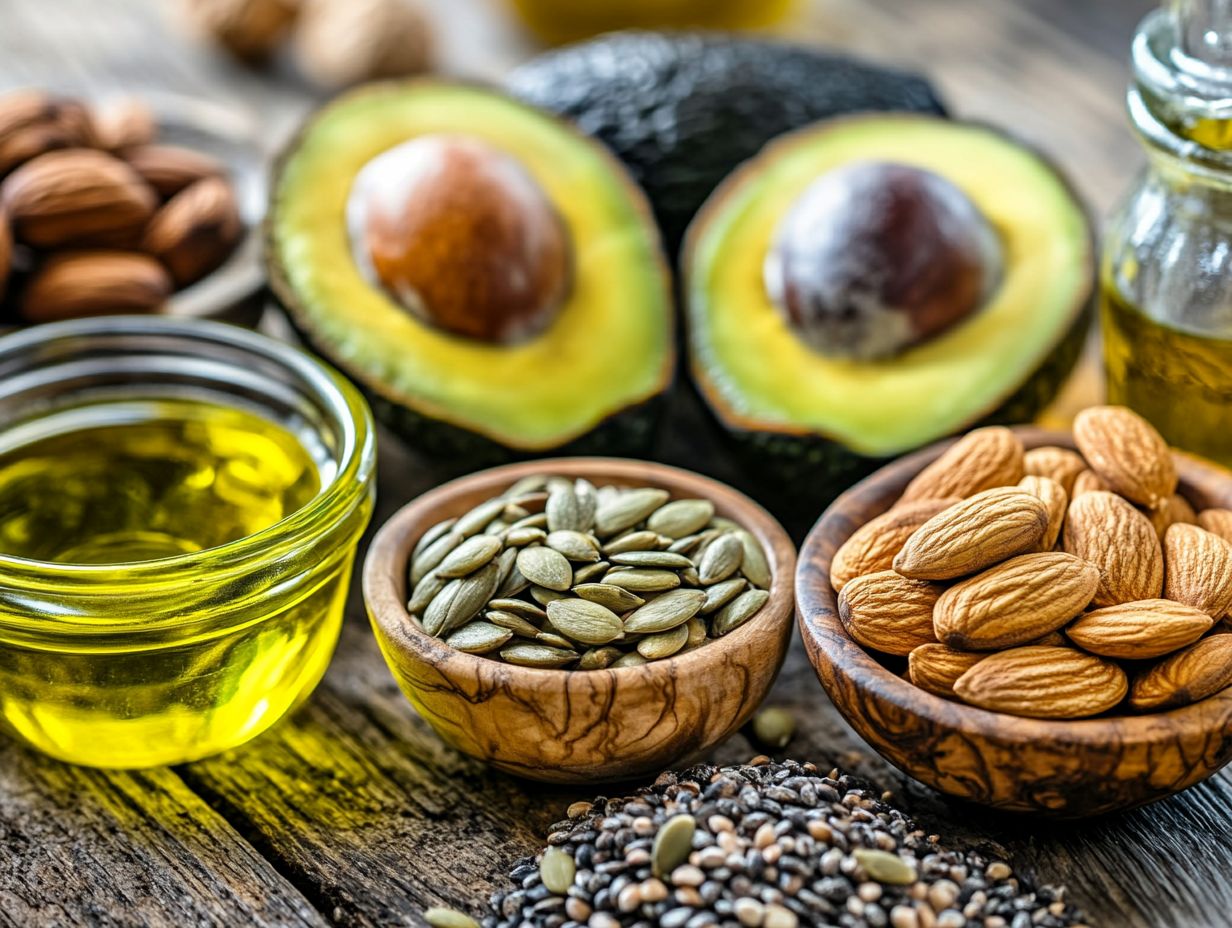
(1166,278)
(168,660)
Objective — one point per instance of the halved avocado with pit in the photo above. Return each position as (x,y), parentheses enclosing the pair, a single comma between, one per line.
(830,366)
(491,277)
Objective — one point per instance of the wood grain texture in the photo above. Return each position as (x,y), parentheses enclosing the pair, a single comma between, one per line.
(1062,768)
(580,726)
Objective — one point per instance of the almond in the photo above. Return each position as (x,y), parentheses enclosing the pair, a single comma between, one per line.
(1217,521)
(92,283)
(1089,482)
(1055,463)
(1198,569)
(1171,511)
(1128,452)
(887,612)
(76,196)
(1044,683)
(1052,495)
(124,123)
(1139,631)
(973,534)
(1199,671)
(169,169)
(196,231)
(1052,640)
(6,252)
(872,546)
(982,459)
(1015,602)
(934,667)
(33,123)
(1108,532)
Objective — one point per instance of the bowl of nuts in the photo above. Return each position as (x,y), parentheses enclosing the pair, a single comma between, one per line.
(127,205)
(582,619)
(1032,620)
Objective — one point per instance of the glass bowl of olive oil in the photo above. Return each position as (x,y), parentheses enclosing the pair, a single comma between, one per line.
(180,503)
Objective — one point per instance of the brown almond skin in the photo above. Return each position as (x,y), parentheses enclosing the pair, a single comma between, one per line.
(1015,602)
(1110,533)
(935,667)
(1053,495)
(169,168)
(973,534)
(887,612)
(196,231)
(125,123)
(6,252)
(1198,569)
(1127,452)
(1060,464)
(1217,521)
(33,123)
(1191,675)
(1089,482)
(1175,509)
(1043,683)
(1139,631)
(872,546)
(76,197)
(94,283)
(980,460)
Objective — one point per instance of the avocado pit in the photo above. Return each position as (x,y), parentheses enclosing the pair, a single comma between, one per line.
(460,234)
(875,257)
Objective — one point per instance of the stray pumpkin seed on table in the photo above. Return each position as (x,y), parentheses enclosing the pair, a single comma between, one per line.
(561,574)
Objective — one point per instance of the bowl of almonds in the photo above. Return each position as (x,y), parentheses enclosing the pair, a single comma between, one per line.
(582,619)
(1032,620)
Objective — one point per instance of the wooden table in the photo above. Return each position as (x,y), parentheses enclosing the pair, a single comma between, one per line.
(352,812)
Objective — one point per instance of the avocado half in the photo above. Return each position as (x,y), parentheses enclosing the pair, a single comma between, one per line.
(587,381)
(819,421)
(682,110)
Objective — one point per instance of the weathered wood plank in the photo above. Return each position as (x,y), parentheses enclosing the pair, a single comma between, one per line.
(90,847)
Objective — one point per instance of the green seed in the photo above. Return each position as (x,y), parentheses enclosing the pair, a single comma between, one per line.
(474,521)
(433,619)
(432,555)
(698,634)
(562,509)
(632,659)
(598,658)
(754,564)
(722,593)
(515,623)
(615,598)
(526,654)
(627,509)
(681,517)
(885,867)
(470,596)
(554,640)
(631,541)
(425,591)
(663,644)
(672,845)
(439,917)
(585,621)
(526,486)
(556,870)
(774,727)
(469,556)
(738,611)
(527,535)
(665,612)
(478,637)
(720,560)
(637,580)
(512,512)
(542,595)
(537,520)
(588,502)
(432,535)
(575,546)
(545,567)
(519,607)
(588,572)
(664,559)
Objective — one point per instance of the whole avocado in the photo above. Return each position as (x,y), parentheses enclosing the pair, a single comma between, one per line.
(683,110)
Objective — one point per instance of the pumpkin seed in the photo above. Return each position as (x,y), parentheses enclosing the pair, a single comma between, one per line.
(576,546)
(507,562)
(474,521)
(690,577)
(469,556)
(478,637)
(562,509)
(681,517)
(545,567)
(512,512)
(526,535)
(472,595)
(513,584)
(431,535)
(526,486)
(685,545)
(554,640)
(613,597)
(538,520)
(663,559)
(754,565)
(432,555)
(665,612)
(631,541)
(724,524)
(720,560)
(672,845)
(663,644)
(519,607)
(557,870)
(885,867)
(440,917)
(433,619)
(527,654)
(598,658)
(774,727)
(495,527)
(588,502)
(542,595)
(738,611)
(584,621)
(720,594)
(637,580)
(589,572)
(515,623)
(632,659)
(425,591)
(698,635)
(628,509)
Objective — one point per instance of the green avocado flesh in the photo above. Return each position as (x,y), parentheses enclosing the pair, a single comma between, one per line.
(758,376)
(609,348)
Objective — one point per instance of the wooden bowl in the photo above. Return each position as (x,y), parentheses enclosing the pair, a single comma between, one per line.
(1066,769)
(580,726)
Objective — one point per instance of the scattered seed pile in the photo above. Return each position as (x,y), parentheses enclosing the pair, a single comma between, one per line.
(558,573)
(774,845)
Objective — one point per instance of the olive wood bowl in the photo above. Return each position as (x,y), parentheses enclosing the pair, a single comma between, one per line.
(580,726)
(1064,769)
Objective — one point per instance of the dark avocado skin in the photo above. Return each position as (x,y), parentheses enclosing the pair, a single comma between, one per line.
(682,110)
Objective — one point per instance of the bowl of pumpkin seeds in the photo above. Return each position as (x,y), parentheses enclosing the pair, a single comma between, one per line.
(582,619)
